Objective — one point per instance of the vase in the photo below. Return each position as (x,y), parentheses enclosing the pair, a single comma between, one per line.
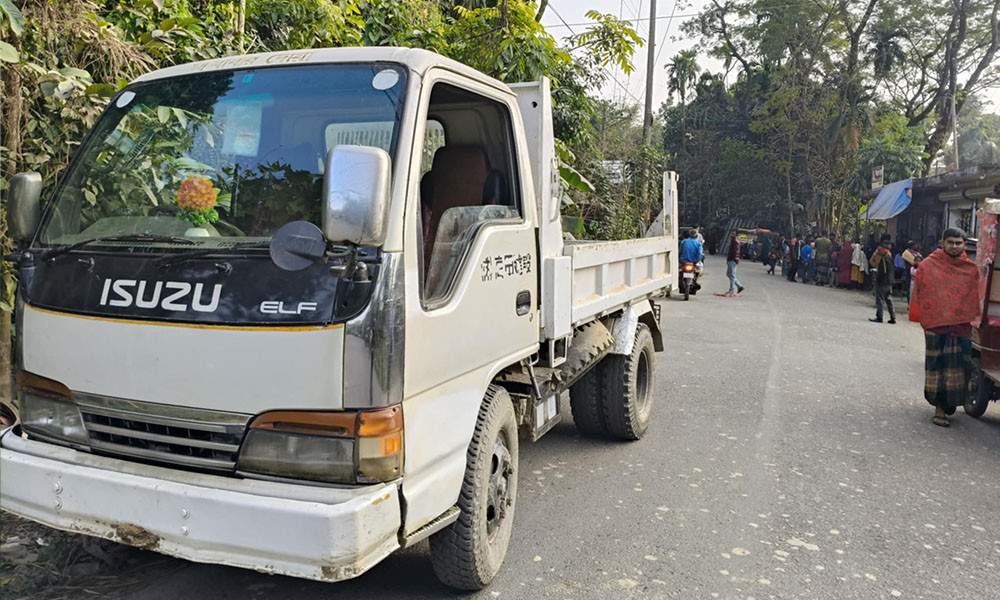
(196,232)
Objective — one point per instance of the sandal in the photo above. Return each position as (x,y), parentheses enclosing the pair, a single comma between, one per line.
(941,421)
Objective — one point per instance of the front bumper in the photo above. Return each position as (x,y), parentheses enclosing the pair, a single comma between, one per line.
(320,533)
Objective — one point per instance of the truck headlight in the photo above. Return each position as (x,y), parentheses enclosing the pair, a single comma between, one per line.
(48,409)
(335,447)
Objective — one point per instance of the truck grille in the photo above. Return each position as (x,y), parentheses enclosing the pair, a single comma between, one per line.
(158,432)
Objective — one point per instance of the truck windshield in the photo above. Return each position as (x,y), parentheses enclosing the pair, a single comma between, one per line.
(220,155)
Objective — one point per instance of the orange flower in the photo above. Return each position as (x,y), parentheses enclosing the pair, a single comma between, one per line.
(196,193)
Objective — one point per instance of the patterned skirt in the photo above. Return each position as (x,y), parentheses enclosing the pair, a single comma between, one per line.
(822,270)
(947,370)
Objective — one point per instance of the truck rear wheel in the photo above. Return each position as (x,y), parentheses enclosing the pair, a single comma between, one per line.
(467,554)
(585,402)
(628,388)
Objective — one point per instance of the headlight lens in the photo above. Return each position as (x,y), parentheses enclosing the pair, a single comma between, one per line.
(298,456)
(335,447)
(48,409)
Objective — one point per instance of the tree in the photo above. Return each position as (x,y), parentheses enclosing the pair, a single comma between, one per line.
(950,54)
(682,72)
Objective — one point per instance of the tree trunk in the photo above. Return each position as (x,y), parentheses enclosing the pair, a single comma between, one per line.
(241,19)
(12,143)
(788,190)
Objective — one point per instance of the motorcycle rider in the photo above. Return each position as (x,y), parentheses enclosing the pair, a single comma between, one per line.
(692,252)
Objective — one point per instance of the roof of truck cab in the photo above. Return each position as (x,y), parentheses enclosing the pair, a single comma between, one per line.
(417,60)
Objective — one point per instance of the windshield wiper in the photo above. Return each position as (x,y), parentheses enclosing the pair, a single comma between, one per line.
(131,237)
(168,261)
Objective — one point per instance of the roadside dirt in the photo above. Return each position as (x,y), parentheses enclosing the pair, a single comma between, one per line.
(40,563)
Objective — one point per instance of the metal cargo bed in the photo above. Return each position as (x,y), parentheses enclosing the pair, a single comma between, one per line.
(608,276)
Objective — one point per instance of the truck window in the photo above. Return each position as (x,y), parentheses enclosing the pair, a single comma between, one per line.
(472,181)
(235,153)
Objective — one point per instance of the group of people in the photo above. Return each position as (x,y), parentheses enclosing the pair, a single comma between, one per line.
(822,259)
(941,290)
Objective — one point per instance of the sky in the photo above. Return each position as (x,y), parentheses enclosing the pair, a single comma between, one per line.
(669,41)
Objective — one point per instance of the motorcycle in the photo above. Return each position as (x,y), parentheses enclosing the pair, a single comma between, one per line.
(690,273)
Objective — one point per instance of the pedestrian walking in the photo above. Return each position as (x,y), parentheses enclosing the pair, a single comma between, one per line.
(883,277)
(911,256)
(946,303)
(733,261)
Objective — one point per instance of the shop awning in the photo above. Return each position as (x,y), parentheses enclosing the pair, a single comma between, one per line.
(892,200)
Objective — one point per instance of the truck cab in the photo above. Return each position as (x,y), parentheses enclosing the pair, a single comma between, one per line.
(293,311)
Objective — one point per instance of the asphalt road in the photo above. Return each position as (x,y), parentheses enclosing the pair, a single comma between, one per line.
(791,455)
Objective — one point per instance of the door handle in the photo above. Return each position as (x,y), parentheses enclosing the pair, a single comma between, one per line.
(523,302)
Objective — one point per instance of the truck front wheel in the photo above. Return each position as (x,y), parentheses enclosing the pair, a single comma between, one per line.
(628,388)
(468,553)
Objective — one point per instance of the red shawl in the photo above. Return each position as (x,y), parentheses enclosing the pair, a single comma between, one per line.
(945,291)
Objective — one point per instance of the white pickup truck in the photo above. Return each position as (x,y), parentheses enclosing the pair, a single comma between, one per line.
(292,312)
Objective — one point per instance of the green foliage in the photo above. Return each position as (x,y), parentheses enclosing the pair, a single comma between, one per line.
(897,148)
(198,217)
(407,23)
(284,25)
(505,42)
(610,40)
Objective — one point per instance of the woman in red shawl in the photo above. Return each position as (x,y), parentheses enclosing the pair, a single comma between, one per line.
(844,264)
(946,302)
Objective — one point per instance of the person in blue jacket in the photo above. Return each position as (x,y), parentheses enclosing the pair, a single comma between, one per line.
(692,251)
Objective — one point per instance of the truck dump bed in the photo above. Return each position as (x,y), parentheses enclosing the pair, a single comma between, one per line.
(608,276)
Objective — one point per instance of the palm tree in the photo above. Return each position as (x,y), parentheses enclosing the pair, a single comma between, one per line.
(682,73)
(885,51)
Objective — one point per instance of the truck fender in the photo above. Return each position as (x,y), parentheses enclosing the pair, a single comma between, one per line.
(623,327)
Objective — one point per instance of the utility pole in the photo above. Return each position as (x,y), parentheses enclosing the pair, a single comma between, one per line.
(647,119)
(954,123)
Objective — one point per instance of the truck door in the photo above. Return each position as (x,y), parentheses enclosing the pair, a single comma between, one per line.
(471,278)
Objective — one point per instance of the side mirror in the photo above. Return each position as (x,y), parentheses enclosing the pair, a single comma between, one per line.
(24,209)
(356,195)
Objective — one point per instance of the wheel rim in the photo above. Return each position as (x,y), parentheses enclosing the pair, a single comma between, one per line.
(499,500)
(643,398)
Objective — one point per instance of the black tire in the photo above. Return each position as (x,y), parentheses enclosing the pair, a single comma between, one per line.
(981,390)
(686,287)
(585,402)
(627,394)
(467,554)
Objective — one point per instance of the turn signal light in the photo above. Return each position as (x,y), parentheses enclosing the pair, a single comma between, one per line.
(42,386)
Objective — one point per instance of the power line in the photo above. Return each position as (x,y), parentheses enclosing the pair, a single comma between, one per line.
(676,16)
(606,71)
(670,20)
